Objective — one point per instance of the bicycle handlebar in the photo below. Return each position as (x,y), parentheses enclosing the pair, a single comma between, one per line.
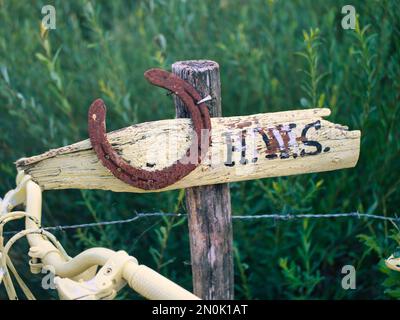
(153,285)
(140,278)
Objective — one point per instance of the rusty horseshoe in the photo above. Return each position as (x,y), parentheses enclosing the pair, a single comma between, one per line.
(156,179)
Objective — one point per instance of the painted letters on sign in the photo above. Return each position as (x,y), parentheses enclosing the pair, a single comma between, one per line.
(278,142)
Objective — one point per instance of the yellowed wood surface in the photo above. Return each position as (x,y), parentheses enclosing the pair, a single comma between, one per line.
(155,145)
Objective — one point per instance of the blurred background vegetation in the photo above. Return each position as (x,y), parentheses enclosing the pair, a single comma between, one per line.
(274,55)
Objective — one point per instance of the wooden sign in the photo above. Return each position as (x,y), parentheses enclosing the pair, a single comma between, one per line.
(243,148)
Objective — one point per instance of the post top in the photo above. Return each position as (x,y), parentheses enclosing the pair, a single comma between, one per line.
(198,65)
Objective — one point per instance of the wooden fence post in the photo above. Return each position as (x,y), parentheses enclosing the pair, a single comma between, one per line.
(209,207)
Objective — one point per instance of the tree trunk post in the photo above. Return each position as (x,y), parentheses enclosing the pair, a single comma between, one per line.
(209,207)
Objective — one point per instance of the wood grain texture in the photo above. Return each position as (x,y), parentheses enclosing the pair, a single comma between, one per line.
(208,207)
(159,143)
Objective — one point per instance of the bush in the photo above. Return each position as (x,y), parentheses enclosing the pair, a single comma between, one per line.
(274,55)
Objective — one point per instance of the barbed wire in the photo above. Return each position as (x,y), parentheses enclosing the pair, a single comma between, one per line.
(234,217)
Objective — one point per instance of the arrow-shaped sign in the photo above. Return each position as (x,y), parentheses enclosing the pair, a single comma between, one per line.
(243,148)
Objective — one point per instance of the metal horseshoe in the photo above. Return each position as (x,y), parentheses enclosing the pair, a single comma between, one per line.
(156,179)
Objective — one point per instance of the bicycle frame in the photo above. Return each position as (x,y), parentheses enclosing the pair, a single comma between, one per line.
(76,278)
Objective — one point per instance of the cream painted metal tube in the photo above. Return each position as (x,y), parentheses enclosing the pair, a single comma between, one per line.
(142,279)
(62,267)
(153,285)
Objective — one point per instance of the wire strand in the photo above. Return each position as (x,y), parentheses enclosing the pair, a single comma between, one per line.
(234,217)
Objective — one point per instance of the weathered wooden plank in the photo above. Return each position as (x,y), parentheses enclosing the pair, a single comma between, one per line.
(155,145)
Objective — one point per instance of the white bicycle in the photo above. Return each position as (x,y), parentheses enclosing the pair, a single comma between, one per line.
(97,273)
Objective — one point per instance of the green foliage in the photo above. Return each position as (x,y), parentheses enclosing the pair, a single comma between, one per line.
(310,84)
(274,56)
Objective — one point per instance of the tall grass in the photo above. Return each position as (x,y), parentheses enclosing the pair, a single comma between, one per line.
(274,55)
